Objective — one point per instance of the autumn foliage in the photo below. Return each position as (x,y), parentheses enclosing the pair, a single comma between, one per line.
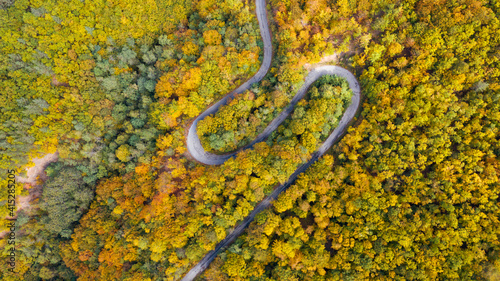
(409,193)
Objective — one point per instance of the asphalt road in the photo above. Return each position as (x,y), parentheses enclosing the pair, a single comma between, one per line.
(193,142)
(197,151)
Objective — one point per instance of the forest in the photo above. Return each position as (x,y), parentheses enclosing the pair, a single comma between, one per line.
(411,192)
(243,118)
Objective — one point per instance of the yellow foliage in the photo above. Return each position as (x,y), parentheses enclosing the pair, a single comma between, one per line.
(212,37)
(190,48)
(122,153)
(192,79)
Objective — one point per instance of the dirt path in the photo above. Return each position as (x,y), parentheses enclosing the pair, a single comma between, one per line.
(34,175)
(196,150)
(324,61)
(38,170)
(31,182)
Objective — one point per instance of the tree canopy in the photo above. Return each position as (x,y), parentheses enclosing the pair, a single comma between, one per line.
(410,192)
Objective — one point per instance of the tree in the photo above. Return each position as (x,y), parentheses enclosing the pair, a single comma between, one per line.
(123,153)
(64,199)
(234,265)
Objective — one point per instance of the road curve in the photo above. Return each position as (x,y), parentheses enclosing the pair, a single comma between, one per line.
(197,151)
(193,142)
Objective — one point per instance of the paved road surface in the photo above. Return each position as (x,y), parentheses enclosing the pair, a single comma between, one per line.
(197,151)
(193,142)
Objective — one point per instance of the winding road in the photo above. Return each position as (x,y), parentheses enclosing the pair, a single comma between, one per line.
(195,148)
